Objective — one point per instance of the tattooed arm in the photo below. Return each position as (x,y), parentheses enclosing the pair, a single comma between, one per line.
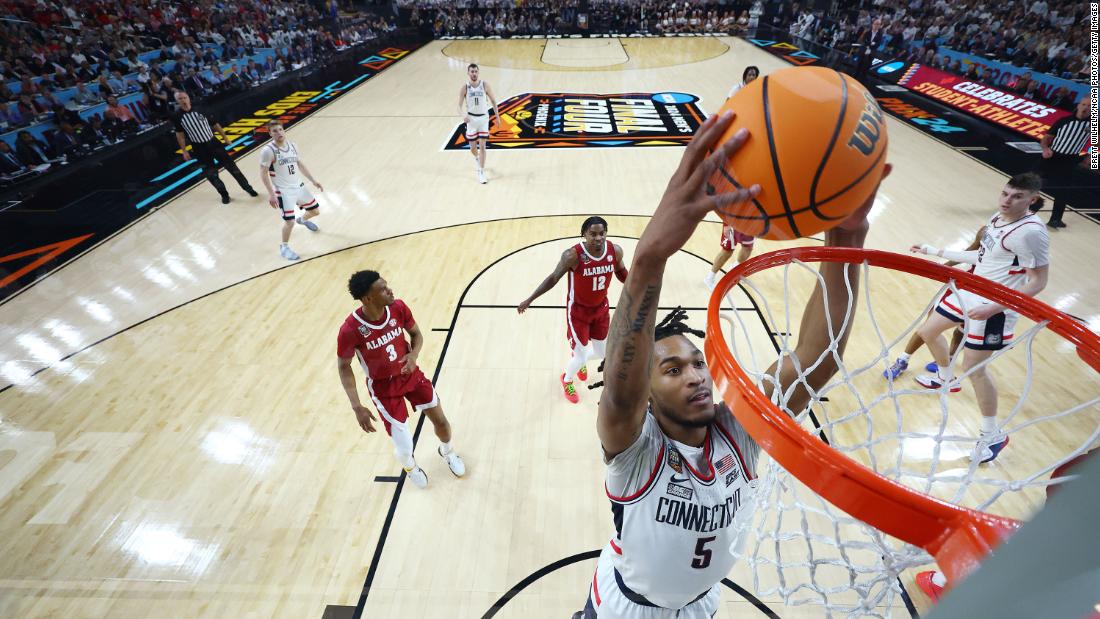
(630,340)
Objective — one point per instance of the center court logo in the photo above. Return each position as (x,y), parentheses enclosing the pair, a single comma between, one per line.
(571,120)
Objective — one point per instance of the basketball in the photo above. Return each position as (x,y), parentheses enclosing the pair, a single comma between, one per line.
(816,146)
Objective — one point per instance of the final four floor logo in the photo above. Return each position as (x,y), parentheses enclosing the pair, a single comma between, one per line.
(577,120)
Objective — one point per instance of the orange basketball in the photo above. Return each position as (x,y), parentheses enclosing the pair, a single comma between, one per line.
(816,147)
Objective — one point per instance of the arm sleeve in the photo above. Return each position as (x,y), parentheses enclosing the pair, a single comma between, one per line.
(629,471)
(1031,246)
(969,257)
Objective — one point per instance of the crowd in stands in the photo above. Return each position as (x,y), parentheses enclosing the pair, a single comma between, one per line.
(1038,36)
(66,64)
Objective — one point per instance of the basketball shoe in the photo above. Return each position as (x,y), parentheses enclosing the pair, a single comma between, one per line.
(418,477)
(933,381)
(988,448)
(481,176)
(897,369)
(930,588)
(286,252)
(454,462)
(312,227)
(582,373)
(569,390)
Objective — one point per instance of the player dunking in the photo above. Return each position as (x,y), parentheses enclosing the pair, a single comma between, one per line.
(590,265)
(282,169)
(1015,252)
(679,467)
(477,96)
(915,341)
(375,334)
(730,239)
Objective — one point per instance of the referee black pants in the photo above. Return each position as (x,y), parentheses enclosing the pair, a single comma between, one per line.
(1057,173)
(210,156)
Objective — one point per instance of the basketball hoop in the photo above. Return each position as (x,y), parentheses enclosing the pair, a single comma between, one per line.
(957,537)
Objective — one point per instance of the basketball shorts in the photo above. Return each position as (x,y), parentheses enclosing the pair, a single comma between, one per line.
(584,324)
(994,333)
(478,127)
(292,197)
(417,389)
(608,599)
(731,237)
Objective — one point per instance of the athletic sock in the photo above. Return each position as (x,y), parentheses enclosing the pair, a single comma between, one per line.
(989,425)
(445,448)
(939,579)
(904,357)
(575,364)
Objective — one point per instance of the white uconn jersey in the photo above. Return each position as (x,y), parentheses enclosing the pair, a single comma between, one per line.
(283,165)
(476,101)
(1008,248)
(674,508)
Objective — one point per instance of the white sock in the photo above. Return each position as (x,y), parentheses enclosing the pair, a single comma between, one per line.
(939,579)
(989,425)
(445,448)
(403,445)
(903,356)
(598,350)
(575,364)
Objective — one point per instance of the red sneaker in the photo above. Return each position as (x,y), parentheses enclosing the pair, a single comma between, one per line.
(931,589)
(570,391)
(583,373)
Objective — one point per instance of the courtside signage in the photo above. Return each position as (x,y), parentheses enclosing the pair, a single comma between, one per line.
(577,120)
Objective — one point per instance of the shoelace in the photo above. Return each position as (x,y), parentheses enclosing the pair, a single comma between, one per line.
(570,389)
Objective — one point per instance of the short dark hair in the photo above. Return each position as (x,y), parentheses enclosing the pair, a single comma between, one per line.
(591,221)
(273,122)
(1028,181)
(675,323)
(472,65)
(751,67)
(360,282)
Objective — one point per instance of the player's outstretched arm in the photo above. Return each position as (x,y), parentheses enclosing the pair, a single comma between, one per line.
(630,341)
(620,265)
(347,378)
(814,333)
(416,344)
(567,262)
(462,104)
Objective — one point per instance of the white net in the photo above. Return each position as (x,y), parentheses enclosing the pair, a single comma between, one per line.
(803,550)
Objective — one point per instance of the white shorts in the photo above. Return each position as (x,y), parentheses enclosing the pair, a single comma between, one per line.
(994,333)
(290,198)
(478,127)
(606,599)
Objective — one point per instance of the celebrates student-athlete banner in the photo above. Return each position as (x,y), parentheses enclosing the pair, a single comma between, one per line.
(570,120)
(1009,110)
(1004,73)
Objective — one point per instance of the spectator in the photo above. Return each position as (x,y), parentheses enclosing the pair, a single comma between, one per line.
(93,134)
(156,100)
(104,87)
(196,83)
(65,140)
(9,161)
(29,108)
(29,150)
(83,96)
(118,118)
(118,83)
(251,74)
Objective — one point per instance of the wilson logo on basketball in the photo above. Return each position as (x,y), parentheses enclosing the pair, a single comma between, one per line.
(869,127)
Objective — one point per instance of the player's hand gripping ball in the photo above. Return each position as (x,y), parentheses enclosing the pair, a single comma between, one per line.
(817,147)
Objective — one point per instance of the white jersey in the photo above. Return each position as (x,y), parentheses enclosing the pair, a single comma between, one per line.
(1009,248)
(282,165)
(476,100)
(674,508)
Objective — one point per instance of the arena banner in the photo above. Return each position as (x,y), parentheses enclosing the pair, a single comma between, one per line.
(1005,74)
(1006,109)
(787,51)
(572,120)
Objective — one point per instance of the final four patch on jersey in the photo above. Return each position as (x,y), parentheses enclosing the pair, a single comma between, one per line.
(363,330)
(393,322)
(674,461)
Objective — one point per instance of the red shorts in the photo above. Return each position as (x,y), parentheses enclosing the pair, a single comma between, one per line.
(731,237)
(416,388)
(584,323)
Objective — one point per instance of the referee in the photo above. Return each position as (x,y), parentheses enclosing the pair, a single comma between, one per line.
(1062,147)
(198,129)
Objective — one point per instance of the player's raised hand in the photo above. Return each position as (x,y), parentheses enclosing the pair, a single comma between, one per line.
(686,200)
(365,417)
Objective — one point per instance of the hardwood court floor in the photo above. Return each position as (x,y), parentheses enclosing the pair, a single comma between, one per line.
(189,452)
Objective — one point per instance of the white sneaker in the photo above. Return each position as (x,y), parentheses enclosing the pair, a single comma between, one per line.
(312,227)
(481,176)
(457,466)
(286,252)
(418,477)
(710,279)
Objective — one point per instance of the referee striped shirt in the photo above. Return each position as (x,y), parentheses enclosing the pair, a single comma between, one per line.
(1070,135)
(194,124)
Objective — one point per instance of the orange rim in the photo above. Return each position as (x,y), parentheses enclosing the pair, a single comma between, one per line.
(958,538)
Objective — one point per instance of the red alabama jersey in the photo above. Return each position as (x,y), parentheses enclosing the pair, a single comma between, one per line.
(378,346)
(588,281)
